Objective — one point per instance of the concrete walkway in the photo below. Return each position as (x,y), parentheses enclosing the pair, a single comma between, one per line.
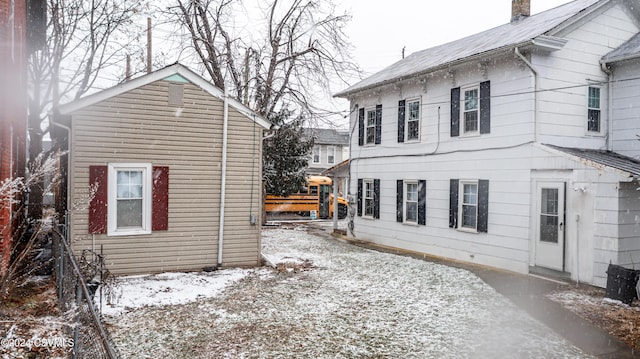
(529,293)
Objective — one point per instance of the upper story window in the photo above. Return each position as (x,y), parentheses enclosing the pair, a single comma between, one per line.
(129,199)
(471,110)
(331,154)
(593,117)
(409,120)
(370,126)
(316,154)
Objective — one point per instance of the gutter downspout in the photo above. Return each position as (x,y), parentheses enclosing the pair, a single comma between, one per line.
(536,126)
(223,179)
(609,73)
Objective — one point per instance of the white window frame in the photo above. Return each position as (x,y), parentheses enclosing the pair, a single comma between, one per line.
(409,119)
(462,204)
(313,154)
(370,126)
(406,201)
(331,154)
(112,206)
(594,108)
(368,194)
(464,111)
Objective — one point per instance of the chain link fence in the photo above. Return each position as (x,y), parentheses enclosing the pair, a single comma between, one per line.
(91,340)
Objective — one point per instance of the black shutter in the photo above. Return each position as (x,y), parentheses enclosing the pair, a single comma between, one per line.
(453,203)
(422,202)
(485,107)
(360,197)
(376,198)
(399,201)
(378,124)
(455,112)
(361,127)
(401,111)
(483,205)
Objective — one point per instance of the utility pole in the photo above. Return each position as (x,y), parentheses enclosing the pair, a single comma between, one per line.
(148,45)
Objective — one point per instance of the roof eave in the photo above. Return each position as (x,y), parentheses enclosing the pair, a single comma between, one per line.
(158,75)
(503,49)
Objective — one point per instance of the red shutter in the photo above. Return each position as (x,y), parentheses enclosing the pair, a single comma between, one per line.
(98,177)
(160,199)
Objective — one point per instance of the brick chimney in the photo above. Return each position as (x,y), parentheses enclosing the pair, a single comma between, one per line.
(520,9)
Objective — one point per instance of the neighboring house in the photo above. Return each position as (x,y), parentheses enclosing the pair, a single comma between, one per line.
(515,147)
(150,172)
(330,148)
(13,117)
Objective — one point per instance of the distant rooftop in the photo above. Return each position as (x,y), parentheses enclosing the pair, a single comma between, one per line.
(328,136)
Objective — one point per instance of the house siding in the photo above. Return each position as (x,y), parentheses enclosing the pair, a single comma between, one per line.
(625,106)
(140,126)
(570,70)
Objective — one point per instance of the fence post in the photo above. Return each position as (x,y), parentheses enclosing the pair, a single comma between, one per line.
(78,323)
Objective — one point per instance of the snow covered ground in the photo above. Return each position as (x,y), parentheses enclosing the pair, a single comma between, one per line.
(325,299)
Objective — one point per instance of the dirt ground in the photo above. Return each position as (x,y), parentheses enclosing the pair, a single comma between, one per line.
(620,320)
(30,317)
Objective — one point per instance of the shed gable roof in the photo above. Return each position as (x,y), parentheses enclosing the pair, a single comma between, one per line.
(174,73)
(606,158)
(627,51)
(517,33)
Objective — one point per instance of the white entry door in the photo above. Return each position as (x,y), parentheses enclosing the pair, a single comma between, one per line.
(550,225)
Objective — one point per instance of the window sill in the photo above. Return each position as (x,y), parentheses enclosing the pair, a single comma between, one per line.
(468,230)
(137,232)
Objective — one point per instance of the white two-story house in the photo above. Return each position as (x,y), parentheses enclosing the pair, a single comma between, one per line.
(514,148)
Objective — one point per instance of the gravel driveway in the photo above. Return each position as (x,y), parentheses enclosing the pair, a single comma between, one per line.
(327,299)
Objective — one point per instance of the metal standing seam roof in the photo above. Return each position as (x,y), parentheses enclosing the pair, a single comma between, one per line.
(628,50)
(510,34)
(606,158)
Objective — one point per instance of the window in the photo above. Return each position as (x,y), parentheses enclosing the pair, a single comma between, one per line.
(409,118)
(371,126)
(316,154)
(471,109)
(469,205)
(593,121)
(129,199)
(369,198)
(411,201)
(331,154)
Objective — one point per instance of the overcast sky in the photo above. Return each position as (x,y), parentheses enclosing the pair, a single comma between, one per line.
(379,30)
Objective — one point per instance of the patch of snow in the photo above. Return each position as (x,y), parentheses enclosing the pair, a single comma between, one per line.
(132,292)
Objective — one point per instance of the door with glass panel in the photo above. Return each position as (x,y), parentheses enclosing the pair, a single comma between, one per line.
(550,225)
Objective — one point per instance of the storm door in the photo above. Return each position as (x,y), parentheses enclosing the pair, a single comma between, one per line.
(550,221)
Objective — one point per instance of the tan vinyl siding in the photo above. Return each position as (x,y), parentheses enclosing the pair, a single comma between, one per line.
(139,126)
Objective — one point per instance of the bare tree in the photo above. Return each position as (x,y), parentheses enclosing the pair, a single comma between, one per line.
(85,41)
(285,60)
